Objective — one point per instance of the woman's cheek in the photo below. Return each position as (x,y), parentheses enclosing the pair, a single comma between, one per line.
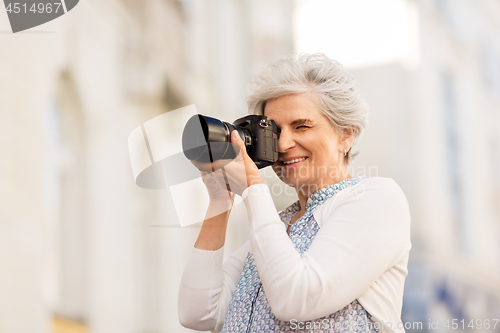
(278,170)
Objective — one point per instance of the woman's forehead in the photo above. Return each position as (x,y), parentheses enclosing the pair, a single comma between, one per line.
(292,110)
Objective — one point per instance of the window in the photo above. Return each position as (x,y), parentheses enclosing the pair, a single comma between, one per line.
(64,205)
(452,141)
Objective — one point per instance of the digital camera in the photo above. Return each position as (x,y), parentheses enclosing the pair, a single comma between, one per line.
(206,139)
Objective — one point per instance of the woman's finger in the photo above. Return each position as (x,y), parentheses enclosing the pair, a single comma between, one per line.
(236,139)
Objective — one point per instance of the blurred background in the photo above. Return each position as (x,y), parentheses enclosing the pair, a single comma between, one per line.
(83,249)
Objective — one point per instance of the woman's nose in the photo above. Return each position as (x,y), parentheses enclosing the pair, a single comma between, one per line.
(285,141)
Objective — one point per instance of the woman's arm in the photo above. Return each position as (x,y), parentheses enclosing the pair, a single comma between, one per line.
(212,235)
(366,234)
(207,286)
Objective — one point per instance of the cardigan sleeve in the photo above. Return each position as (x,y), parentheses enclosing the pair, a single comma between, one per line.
(207,286)
(366,234)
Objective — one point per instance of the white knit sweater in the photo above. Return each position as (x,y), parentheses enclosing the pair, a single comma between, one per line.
(360,252)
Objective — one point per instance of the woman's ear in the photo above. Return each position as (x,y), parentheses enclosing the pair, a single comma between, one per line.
(347,137)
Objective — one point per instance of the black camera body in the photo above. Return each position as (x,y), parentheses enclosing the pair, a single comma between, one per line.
(206,139)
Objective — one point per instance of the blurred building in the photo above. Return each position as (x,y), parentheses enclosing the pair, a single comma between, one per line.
(78,239)
(435,128)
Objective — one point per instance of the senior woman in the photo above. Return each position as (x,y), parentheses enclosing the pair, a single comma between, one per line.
(335,260)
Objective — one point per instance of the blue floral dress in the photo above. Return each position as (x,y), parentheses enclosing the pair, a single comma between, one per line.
(249,311)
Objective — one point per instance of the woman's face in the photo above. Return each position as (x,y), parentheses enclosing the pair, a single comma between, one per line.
(310,149)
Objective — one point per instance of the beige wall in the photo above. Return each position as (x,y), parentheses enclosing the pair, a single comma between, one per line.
(78,238)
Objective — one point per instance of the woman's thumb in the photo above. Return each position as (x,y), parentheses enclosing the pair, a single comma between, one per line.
(235,138)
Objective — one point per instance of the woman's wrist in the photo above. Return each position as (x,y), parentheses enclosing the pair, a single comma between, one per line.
(255,180)
(257,189)
(221,202)
(219,205)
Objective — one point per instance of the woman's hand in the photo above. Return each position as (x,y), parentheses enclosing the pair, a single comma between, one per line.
(252,173)
(223,176)
(216,187)
(214,181)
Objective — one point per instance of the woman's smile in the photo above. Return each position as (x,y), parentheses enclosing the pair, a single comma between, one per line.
(292,161)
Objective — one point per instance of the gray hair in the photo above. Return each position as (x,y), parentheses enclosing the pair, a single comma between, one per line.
(328,81)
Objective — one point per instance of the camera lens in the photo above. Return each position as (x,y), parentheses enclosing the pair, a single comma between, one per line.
(207,139)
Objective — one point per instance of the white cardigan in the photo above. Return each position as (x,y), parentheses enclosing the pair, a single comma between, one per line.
(360,252)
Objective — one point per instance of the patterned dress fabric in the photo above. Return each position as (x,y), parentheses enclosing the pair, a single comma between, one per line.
(249,310)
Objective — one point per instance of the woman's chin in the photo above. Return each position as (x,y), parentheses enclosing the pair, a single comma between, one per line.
(295,183)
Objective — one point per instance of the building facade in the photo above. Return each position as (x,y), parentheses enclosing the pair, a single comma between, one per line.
(435,129)
(79,240)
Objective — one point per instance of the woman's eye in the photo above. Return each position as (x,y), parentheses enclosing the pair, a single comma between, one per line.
(302,126)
